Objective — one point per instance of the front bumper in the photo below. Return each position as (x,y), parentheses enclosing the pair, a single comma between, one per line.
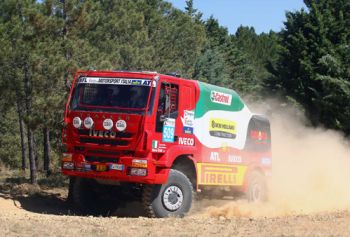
(81,168)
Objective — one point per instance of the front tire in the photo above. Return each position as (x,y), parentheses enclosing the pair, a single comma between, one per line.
(173,198)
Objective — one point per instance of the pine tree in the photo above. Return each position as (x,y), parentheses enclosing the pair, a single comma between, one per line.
(314,59)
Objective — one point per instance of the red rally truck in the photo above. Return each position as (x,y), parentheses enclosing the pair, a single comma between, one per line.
(158,139)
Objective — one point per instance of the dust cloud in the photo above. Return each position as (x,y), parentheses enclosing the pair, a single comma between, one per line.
(311,171)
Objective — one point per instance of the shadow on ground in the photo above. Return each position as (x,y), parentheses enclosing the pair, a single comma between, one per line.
(54,202)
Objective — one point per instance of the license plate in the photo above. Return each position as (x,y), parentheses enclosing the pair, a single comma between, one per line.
(101,167)
(119,167)
(87,167)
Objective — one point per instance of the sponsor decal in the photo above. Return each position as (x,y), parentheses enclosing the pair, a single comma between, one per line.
(188,130)
(120,125)
(115,81)
(186,141)
(155,144)
(168,130)
(169,122)
(258,135)
(188,121)
(220,174)
(158,147)
(266,161)
(119,167)
(220,98)
(214,156)
(222,128)
(154,83)
(107,134)
(234,159)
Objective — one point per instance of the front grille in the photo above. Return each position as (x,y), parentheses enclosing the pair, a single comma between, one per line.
(115,153)
(101,141)
(79,148)
(117,134)
(101,159)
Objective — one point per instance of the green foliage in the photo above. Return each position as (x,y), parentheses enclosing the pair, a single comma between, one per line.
(145,35)
(243,73)
(314,62)
(10,140)
(236,61)
(261,50)
(211,67)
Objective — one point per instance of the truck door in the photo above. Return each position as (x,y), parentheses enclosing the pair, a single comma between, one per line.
(186,116)
(167,113)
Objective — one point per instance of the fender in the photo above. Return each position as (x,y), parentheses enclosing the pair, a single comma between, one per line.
(176,151)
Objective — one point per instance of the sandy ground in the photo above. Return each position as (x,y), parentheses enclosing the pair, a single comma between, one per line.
(46,214)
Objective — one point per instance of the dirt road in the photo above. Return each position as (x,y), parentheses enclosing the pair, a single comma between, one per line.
(46,214)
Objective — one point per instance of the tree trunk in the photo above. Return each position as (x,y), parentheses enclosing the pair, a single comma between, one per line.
(46,134)
(32,164)
(31,143)
(21,131)
(35,152)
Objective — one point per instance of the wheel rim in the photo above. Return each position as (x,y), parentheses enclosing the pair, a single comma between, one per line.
(256,192)
(172,198)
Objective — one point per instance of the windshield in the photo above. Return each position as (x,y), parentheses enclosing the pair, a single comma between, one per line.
(111,94)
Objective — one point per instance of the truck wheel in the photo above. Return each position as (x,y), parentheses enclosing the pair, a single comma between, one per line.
(84,194)
(173,198)
(257,189)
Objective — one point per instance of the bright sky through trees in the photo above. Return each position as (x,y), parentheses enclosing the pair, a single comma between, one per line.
(263,15)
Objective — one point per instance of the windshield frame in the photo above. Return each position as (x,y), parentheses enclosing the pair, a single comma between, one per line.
(132,81)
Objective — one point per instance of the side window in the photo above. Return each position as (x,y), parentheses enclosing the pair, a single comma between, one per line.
(258,135)
(167,104)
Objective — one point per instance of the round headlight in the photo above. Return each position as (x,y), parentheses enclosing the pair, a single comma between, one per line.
(88,122)
(77,122)
(107,124)
(120,125)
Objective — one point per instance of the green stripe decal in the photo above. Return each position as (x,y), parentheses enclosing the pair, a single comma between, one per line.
(217,98)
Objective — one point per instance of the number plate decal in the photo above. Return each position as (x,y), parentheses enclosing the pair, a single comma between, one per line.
(119,167)
(168,130)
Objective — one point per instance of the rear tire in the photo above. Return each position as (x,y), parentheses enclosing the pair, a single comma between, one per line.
(173,198)
(257,188)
